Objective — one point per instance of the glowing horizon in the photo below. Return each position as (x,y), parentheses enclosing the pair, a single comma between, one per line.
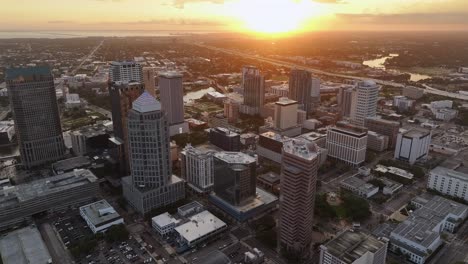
(251,16)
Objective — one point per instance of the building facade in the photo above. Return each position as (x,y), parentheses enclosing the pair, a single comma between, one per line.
(125,71)
(413,145)
(149,79)
(299,168)
(254,91)
(172,96)
(34,107)
(197,168)
(234,177)
(384,127)
(376,141)
(449,182)
(285,114)
(364,103)
(225,139)
(151,184)
(347,143)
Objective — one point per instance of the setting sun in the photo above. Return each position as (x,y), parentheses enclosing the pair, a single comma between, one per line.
(275,17)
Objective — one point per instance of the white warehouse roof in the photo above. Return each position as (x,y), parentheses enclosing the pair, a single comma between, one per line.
(200,225)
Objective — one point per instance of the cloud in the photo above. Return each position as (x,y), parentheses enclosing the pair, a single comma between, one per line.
(409,18)
(181,3)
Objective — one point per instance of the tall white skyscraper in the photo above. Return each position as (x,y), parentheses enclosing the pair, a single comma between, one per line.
(197,168)
(151,184)
(364,103)
(125,71)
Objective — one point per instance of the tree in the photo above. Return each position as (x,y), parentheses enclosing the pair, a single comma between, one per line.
(357,208)
(322,208)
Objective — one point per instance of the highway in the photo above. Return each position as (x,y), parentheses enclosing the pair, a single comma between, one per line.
(87,57)
(428,90)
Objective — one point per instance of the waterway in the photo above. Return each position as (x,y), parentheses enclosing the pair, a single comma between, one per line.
(191,96)
(379,63)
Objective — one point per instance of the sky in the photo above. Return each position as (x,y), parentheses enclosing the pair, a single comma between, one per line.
(268,16)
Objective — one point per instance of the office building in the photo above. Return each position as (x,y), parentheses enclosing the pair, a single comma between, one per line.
(419,236)
(197,168)
(384,127)
(354,247)
(172,100)
(345,100)
(164,224)
(359,187)
(285,114)
(71,164)
(122,95)
(304,89)
(149,80)
(248,70)
(413,145)
(87,139)
(347,142)
(318,138)
(449,182)
(269,181)
(126,72)
(364,103)
(413,92)
(402,103)
(20,202)
(234,177)
(376,141)
(100,216)
(299,168)
(24,246)
(33,103)
(231,111)
(270,146)
(151,184)
(225,139)
(254,92)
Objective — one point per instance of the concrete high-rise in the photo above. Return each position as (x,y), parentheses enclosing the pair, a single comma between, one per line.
(384,127)
(172,99)
(347,142)
(151,184)
(234,177)
(197,168)
(122,95)
(254,91)
(304,88)
(34,106)
(364,103)
(249,70)
(149,75)
(125,71)
(300,163)
(345,100)
(413,145)
(285,114)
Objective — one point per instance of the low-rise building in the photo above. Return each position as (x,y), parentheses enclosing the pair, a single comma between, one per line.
(376,141)
(402,103)
(318,138)
(354,247)
(89,138)
(359,187)
(198,229)
(71,164)
(419,236)
(18,203)
(24,246)
(390,187)
(395,171)
(445,114)
(269,181)
(100,216)
(449,182)
(164,223)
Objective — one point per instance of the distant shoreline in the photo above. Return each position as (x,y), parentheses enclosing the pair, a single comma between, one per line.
(50,34)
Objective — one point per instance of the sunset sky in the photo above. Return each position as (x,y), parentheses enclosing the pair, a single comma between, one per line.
(235,15)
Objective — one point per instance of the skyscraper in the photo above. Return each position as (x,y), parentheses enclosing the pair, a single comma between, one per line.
(34,106)
(151,184)
(122,95)
(125,71)
(364,103)
(285,113)
(249,70)
(304,88)
(254,90)
(149,75)
(345,100)
(235,177)
(172,100)
(300,163)
(197,168)
(347,142)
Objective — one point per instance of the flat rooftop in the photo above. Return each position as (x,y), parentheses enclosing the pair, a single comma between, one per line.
(301,148)
(346,127)
(442,171)
(99,212)
(275,136)
(11,196)
(24,246)
(200,225)
(262,198)
(312,136)
(91,131)
(270,177)
(225,131)
(71,163)
(284,101)
(189,207)
(351,245)
(164,219)
(416,133)
(235,157)
(170,74)
(359,184)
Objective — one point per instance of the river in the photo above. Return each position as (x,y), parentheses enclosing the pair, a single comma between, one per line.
(197,94)
(379,63)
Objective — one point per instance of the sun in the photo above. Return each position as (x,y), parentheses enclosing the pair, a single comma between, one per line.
(273,16)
